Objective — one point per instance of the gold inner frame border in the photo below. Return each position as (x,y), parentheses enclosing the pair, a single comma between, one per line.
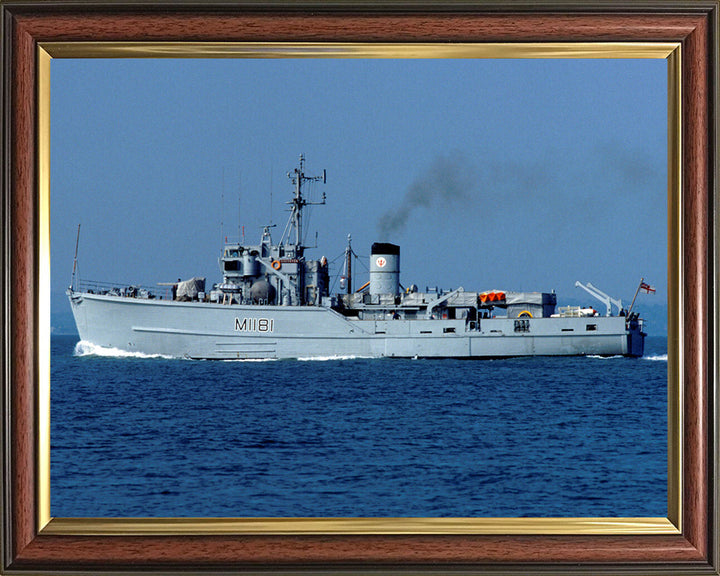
(355,526)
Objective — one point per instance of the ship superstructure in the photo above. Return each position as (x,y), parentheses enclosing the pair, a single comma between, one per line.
(269,274)
(273,302)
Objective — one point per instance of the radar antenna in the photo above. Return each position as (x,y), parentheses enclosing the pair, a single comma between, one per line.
(298,178)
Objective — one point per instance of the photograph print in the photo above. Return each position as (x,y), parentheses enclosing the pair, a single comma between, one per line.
(357,287)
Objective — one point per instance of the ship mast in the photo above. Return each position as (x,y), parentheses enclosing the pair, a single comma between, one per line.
(348,264)
(298,178)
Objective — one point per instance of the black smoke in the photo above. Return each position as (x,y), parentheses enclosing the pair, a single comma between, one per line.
(535,189)
(449,178)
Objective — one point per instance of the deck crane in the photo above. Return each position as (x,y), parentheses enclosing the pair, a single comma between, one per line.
(600,295)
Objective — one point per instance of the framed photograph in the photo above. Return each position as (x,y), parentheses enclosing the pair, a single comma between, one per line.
(556,53)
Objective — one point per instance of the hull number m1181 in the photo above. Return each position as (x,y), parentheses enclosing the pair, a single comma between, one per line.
(254,324)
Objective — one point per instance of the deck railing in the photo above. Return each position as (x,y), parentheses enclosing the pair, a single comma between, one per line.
(124,290)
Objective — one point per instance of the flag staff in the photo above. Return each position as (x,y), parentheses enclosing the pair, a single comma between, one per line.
(74,270)
(642,284)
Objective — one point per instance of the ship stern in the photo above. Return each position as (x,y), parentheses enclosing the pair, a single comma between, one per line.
(636,338)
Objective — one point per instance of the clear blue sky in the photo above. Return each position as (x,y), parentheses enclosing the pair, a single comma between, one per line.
(509,174)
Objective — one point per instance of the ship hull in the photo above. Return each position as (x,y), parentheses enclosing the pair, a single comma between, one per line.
(216,331)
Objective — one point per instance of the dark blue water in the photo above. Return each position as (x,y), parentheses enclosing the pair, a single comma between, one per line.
(519,437)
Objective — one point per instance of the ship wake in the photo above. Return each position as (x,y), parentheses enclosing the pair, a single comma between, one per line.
(84,348)
(653,358)
(656,358)
(330,358)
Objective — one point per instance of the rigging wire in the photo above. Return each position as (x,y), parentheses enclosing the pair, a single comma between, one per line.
(308,217)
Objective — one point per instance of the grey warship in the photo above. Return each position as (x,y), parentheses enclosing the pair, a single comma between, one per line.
(275,303)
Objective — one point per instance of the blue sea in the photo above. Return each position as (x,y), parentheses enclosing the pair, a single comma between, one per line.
(135,436)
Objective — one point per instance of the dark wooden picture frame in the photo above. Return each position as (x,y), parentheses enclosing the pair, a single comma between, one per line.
(29,548)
